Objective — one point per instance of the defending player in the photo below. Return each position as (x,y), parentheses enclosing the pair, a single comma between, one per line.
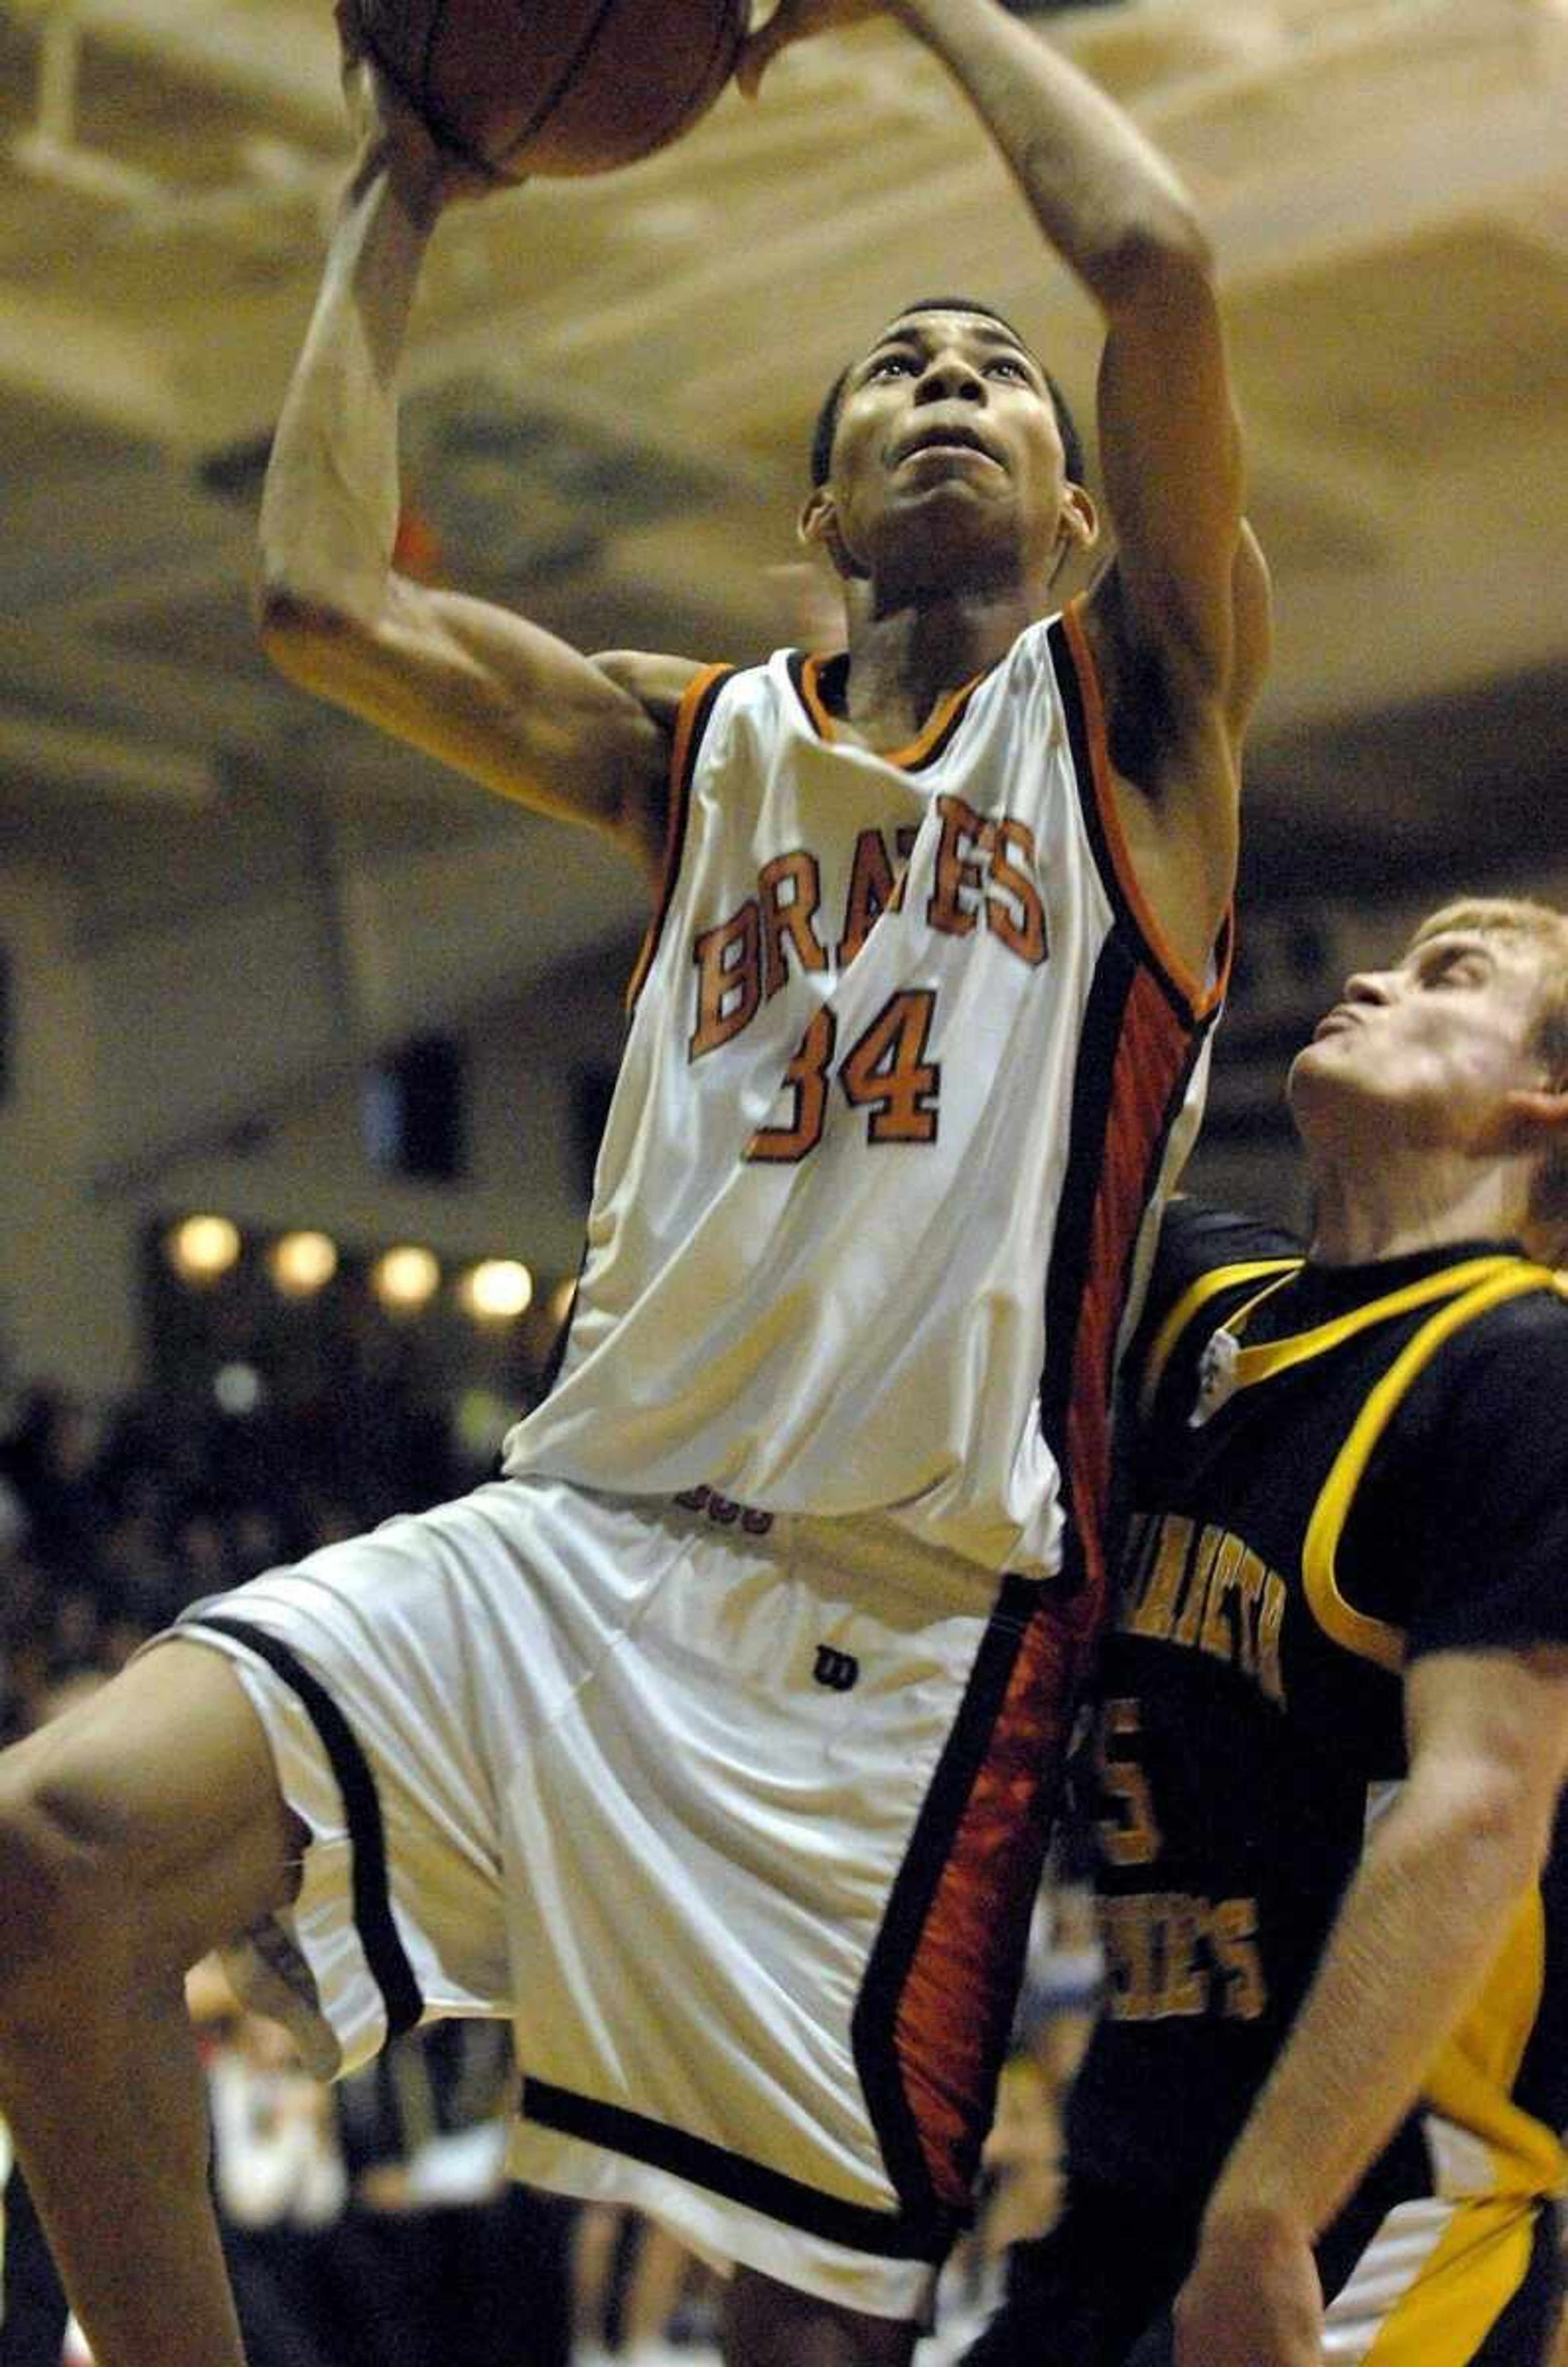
(1327,2092)
(716,1742)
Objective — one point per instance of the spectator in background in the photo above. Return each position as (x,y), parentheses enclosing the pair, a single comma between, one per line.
(33,2310)
(279,2178)
(444,2260)
(50,1462)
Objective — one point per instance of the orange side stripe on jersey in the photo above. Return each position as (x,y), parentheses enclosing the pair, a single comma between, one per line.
(950,707)
(956,2004)
(1202,997)
(1152,1056)
(966,1950)
(681,752)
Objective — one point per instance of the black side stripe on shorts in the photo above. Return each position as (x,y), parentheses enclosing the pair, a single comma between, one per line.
(885,2234)
(384,1952)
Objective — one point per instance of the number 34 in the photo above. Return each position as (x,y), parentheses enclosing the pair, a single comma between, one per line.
(884,1071)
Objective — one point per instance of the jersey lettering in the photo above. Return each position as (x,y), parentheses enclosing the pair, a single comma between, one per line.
(806,1079)
(1171,1957)
(729,983)
(1209,1591)
(874,887)
(984,874)
(789,915)
(885,1070)
(973,854)
(1015,913)
(1132,1835)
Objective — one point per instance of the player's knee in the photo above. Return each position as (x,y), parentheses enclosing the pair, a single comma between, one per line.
(64,1877)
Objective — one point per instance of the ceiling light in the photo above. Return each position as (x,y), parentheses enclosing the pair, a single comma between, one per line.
(498,1289)
(302,1264)
(406,1277)
(203,1248)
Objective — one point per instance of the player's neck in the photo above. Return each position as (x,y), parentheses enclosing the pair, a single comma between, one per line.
(1366,1209)
(905,661)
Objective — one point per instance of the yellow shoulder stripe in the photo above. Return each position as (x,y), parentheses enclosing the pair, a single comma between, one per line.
(1376,1639)
(1279,1356)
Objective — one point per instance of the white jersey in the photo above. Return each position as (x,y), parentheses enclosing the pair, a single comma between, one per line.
(909,1073)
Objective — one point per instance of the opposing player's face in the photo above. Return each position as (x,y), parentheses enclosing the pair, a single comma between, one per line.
(948,441)
(1433,1048)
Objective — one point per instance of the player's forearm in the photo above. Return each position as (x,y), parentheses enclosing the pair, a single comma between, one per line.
(1106,199)
(1420,1928)
(329,507)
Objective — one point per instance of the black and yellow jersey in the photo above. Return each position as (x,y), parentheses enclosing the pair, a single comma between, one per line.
(1335,1470)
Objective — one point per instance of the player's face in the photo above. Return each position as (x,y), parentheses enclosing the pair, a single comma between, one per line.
(947,445)
(1431,1050)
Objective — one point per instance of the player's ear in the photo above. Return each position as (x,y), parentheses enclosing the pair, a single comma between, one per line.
(1077,526)
(1080,519)
(1537,1118)
(819,528)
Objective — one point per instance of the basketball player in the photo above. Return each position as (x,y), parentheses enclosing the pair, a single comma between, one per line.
(1324,2100)
(716,1742)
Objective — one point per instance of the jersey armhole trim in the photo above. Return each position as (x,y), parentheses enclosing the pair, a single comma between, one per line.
(1198,1001)
(690,723)
(1356,1631)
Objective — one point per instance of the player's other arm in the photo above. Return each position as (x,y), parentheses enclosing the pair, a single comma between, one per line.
(466,681)
(1443,1875)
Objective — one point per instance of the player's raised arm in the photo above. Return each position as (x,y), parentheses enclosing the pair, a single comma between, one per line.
(1118,216)
(465,680)
(1180,622)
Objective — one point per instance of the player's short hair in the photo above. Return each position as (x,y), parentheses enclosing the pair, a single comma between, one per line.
(1546,929)
(828,417)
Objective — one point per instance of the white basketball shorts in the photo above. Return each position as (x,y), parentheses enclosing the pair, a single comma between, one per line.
(738,1820)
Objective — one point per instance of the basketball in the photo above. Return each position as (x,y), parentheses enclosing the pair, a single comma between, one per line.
(557,87)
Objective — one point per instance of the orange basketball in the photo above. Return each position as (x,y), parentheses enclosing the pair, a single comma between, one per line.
(556,87)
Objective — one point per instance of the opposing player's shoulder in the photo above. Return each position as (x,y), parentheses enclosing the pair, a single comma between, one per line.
(659,683)
(1491,1409)
(1198,1242)
(1516,1348)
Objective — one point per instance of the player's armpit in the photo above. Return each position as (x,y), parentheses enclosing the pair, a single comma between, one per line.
(494,695)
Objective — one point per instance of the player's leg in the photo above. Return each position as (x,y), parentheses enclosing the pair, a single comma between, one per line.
(135,1832)
(766,2324)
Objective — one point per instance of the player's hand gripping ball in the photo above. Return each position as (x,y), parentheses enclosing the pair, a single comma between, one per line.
(798,20)
(557,87)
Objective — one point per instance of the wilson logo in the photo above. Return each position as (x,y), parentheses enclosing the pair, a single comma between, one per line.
(839,1671)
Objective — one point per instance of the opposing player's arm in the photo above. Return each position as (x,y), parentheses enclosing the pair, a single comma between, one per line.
(1444,1873)
(463,679)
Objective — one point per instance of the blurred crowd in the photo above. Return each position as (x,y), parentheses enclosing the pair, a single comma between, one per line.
(111,1520)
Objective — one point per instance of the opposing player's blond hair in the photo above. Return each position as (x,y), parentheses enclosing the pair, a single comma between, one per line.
(1546,929)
